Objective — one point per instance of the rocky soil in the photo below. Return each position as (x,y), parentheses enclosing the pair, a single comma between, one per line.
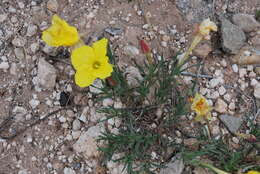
(36,80)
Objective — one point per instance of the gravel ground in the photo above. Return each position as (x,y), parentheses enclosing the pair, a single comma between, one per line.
(36,79)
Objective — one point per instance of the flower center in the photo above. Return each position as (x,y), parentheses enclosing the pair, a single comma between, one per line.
(200,105)
(96,65)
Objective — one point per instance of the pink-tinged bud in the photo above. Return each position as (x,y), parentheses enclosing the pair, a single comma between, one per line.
(111,81)
(144,47)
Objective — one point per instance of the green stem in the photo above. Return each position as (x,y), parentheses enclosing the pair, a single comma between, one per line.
(194,43)
(218,171)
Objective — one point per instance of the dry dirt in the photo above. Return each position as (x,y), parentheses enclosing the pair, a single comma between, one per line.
(47,146)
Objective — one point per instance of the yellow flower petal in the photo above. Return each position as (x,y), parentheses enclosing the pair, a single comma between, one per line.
(91,63)
(100,47)
(253,172)
(60,33)
(84,78)
(82,57)
(105,69)
(206,26)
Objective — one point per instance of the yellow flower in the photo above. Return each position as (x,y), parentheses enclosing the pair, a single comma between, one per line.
(206,26)
(253,172)
(204,29)
(202,108)
(60,33)
(91,63)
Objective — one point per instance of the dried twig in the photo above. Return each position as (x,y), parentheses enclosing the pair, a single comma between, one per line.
(30,125)
(196,75)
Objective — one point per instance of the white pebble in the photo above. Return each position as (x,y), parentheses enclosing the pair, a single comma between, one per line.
(227,97)
(242,72)
(235,140)
(164,44)
(4,65)
(235,68)
(222,90)
(62,119)
(253,82)
(34,103)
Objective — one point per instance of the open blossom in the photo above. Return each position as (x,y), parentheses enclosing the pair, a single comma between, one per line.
(60,33)
(206,26)
(91,63)
(202,108)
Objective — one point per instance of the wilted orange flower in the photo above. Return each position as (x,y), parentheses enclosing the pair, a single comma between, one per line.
(202,108)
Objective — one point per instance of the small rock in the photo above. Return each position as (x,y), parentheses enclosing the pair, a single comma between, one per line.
(18,42)
(233,38)
(4,65)
(23,172)
(176,166)
(242,72)
(246,56)
(214,82)
(133,76)
(232,106)
(19,53)
(75,134)
(87,144)
(235,140)
(62,119)
(213,95)
(3,17)
(231,122)
(220,106)
(223,63)
(253,82)
(257,91)
(34,103)
(164,44)
(257,70)
(34,47)
(235,68)
(215,130)
(52,51)
(68,171)
(114,31)
(222,90)
(108,102)
(131,51)
(21,5)
(146,26)
(31,30)
(13,69)
(76,125)
(96,86)
(227,97)
(246,22)
(202,50)
(46,74)
(256,41)
(53,5)
(19,113)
